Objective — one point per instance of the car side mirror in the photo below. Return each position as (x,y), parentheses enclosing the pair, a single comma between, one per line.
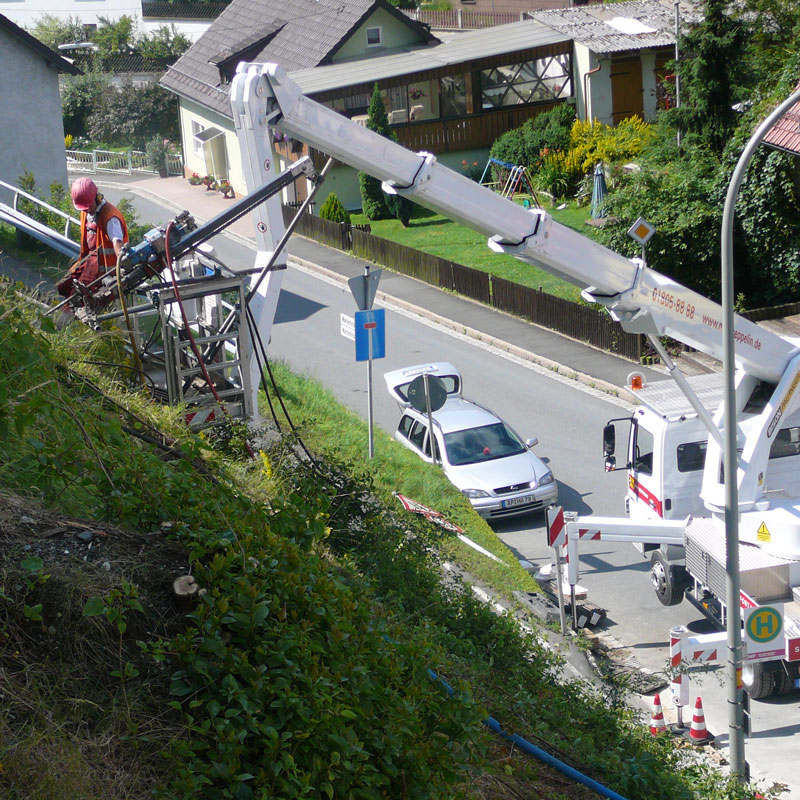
(532,442)
(609,440)
(610,464)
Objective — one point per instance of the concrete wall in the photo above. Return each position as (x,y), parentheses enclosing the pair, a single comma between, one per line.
(31,127)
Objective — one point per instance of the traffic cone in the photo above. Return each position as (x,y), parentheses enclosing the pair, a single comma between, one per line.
(657,724)
(698,734)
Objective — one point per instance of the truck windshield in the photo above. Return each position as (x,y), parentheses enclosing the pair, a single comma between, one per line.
(486,443)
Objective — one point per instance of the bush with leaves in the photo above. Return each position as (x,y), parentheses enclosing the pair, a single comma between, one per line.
(165,42)
(81,95)
(594,142)
(52,31)
(333,210)
(132,115)
(681,198)
(115,37)
(549,130)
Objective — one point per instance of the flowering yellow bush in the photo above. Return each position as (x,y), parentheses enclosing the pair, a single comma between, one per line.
(593,142)
(68,141)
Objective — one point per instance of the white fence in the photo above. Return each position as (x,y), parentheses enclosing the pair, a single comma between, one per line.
(128,162)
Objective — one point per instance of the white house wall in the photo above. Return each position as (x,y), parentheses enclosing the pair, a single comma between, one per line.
(649,85)
(191,29)
(31,126)
(28,12)
(195,162)
(594,86)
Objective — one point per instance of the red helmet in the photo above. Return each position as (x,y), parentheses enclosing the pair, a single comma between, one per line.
(84,193)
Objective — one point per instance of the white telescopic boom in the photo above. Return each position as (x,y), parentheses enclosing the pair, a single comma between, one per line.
(643,300)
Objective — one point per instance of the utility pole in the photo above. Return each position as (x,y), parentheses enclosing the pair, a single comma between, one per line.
(677,57)
(730,458)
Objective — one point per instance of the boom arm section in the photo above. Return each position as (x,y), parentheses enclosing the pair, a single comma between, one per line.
(643,300)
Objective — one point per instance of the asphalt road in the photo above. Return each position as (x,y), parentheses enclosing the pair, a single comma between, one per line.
(567,417)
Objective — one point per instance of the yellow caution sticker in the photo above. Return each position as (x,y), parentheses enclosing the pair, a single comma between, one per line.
(763,534)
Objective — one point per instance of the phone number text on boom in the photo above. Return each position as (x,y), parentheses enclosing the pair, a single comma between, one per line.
(673,303)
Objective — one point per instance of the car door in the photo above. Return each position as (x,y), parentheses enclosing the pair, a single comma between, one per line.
(398,380)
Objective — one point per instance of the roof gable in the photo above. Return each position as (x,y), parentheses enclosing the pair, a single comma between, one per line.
(59,62)
(297,34)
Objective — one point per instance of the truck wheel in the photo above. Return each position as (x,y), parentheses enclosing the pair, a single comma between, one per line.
(784,678)
(758,681)
(669,580)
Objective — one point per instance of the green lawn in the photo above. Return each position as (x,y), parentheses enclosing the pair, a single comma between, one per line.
(439,236)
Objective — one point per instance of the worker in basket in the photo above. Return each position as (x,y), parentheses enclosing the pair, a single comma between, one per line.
(103,233)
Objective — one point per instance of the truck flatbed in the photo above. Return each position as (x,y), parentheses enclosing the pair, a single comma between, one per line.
(667,399)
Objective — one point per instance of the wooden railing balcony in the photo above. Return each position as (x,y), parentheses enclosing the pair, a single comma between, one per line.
(465,133)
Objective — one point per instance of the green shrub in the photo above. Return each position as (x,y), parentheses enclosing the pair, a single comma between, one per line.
(333,210)
(132,115)
(80,96)
(549,130)
(373,200)
(593,142)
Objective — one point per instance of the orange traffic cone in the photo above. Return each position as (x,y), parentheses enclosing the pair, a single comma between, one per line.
(657,724)
(698,734)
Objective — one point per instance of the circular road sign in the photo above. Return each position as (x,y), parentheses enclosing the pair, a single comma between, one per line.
(436,389)
(764,625)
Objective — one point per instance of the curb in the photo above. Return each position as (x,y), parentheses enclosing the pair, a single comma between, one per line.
(500,344)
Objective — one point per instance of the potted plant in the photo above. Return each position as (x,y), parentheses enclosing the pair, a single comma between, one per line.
(156,151)
(225,188)
(195,179)
(209,182)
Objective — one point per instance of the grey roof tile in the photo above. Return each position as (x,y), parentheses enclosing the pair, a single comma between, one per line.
(311,31)
(619,27)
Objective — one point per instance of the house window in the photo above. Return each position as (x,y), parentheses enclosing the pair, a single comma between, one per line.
(540,80)
(374,38)
(197,145)
(453,96)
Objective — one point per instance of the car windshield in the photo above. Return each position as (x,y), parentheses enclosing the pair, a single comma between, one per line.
(474,445)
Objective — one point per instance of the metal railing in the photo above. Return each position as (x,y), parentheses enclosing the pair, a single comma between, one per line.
(126,161)
(17,193)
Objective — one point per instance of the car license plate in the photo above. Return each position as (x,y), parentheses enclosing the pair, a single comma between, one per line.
(518,501)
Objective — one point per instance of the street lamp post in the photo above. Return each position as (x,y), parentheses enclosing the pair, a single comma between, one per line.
(732,587)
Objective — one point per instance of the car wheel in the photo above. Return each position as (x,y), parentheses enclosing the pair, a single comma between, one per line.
(758,681)
(669,580)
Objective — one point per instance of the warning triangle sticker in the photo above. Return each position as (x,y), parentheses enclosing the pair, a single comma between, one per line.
(762,534)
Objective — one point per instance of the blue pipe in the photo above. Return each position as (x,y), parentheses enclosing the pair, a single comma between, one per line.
(493,725)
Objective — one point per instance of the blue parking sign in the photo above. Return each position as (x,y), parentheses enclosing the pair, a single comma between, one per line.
(370,333)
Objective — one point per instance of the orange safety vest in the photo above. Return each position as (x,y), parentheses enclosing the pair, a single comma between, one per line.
(106,257)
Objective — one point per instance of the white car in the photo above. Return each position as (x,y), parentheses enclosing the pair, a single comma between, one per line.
(480,454)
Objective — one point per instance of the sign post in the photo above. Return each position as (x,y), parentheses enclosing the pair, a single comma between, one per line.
(556,538)
(370,333)
(427,393)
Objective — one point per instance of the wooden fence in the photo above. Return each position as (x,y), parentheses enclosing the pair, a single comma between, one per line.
(582,322)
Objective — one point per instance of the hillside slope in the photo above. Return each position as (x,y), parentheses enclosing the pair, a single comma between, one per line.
(303,668)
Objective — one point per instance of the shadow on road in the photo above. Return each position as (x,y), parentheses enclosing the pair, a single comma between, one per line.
(293,308)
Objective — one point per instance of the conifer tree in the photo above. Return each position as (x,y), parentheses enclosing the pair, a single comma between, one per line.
(376,204)
(711,55)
